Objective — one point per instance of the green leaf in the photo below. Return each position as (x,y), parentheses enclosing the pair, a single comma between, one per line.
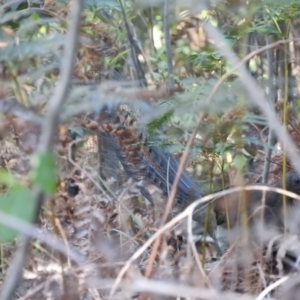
(240,161)
(155,124)
(43,172)
(18,202)
(35,16)
(6,177)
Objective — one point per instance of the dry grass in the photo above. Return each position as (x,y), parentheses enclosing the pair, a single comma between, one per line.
(107,228)
(110,224)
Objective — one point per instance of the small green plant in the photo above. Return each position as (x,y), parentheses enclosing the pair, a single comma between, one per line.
(18,200)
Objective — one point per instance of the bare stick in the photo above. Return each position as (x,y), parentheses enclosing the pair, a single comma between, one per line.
(46,141)
(271,287)
(191,139)
(34,232)
(189,211)
(134,55)
(256,93)
(168,44)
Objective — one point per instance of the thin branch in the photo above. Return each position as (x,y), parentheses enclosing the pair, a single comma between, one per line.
(169,55)
(178,290)
(11,106)
(46,142)
(35,233)
(61,91)
(256,94)
(271,88)
(271,287)
(187,212)
(244,60)
(137,65)
(193,135)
